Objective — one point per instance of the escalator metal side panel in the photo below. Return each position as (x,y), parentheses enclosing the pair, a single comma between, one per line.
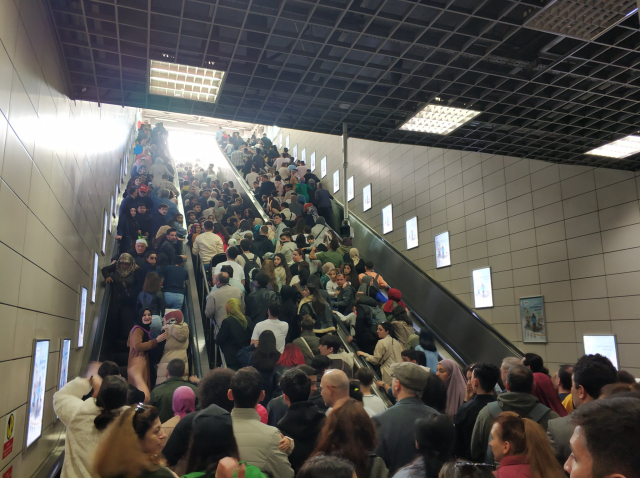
(463,330)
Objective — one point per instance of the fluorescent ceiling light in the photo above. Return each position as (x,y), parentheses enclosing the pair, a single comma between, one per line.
(189,82)
(198,124)
(439,119)
(165,119)
(618,149)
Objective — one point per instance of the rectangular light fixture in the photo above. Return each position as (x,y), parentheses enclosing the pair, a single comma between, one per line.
(439,119)
(198,124)
(618,149)
(183,81)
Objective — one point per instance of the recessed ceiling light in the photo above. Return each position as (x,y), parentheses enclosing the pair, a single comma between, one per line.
(439,119)
(344,106)
(189,82)
(618,149)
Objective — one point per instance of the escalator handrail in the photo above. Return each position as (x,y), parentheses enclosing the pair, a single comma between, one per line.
(212,323)
(408,263)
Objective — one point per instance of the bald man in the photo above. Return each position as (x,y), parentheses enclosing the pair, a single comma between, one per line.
(335,388)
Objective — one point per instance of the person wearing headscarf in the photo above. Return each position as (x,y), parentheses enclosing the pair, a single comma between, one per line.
(310,214)
(127,230)
(233,334)
(358,263)
(366,288)
(141,342)
(184,401)
(126,280)
(450,374)
(546,394)
(395,300)
(324,278)
(177,331)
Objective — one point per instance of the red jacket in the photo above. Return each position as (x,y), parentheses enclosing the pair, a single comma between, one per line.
(516,466)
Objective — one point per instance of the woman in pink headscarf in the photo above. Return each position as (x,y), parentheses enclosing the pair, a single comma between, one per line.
(450,374)
(184,401)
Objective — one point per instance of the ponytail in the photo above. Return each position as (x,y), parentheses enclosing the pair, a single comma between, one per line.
(540,455)
(111,397)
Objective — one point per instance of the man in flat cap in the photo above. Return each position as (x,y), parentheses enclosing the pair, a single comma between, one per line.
(396,439)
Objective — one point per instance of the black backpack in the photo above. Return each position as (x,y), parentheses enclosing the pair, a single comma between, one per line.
(250,267)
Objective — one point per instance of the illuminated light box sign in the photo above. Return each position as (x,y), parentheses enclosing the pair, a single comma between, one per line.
(366,198)
(350,189)
(323,167)
(94,279)
(387,219)
(336,181)
(64,363)
(287,144)
(82,318)
(482,291)
(295,152)
(443,253)
(605,345)
(37,391)
(104,232)
(304,155)
(412,233)
(313,161)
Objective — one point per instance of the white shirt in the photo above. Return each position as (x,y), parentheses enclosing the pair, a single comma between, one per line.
(251,177)
(374,403)
(278,327)
(280,161)
(238,271)
(250,256)
(208,245)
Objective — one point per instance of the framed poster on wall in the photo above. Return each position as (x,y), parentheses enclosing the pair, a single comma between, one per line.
(104,232)
(313,161)
(111,214)
(65,349)
(295,151)
(387,219)
(533,320)
(82,317)
(323,167)
(482,291)
(287,144)
(37,388)
(336,181)
(304,155)
(366,198)
(350,189)
(412,233)
(443,254)
(94,279)
(605,345)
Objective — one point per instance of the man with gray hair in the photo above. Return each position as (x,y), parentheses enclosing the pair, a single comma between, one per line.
(507,363)
(218,297)
(396,443)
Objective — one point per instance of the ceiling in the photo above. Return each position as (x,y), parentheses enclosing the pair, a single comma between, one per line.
(553,78)
(200,124)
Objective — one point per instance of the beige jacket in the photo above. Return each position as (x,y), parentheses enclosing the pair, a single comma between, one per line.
(258,443)
(174,348)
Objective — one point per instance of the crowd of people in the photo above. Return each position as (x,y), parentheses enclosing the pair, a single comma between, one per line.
(292,400)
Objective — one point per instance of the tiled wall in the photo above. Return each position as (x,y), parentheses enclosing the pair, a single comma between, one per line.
(59,163)
(569,233)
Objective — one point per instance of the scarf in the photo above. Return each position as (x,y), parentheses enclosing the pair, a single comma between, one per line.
(122,271)
(355,256)
(235,312)
(184,401)
(395,298)
(456,387)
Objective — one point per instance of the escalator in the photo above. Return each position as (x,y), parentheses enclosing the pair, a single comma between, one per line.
(461,334)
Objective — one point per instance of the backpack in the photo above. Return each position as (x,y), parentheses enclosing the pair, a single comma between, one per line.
(250,268)
(374,283)
(536,414)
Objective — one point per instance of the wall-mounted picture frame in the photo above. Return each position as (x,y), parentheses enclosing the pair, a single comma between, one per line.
(105,228)
(336,181)
(303,156)
(94,278)
(82,316)
(387,219)
(287,143)
(443,252)
(295,151)
(482,289)
(605,345)
(37,389)
(351,193)
(366,198)
(313,161)
(533,320)
(323,167)
(65,351)
(412,233)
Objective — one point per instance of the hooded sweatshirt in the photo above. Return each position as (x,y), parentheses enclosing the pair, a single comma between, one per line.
(520,403)
(303,422)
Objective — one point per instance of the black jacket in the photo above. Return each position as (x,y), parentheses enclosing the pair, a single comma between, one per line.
(260,246)
(231,338)
(267,188)
(365,337)
(465,420)
(303,422)
(257,303)
(345,299)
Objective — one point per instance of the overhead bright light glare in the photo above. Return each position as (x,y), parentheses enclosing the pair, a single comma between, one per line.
(439,119)
(198,124)
(618,149)
(183,81)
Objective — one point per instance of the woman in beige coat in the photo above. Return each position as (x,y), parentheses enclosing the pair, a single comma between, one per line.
(177,342)
(388,351)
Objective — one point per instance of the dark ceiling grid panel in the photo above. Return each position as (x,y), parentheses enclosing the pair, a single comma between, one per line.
(549,87)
